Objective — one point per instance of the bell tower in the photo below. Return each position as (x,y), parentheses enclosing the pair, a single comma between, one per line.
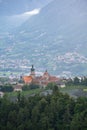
(32,72)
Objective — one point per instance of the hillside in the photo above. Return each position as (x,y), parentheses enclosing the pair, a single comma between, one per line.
(55,39)
(14,7)
(13,14)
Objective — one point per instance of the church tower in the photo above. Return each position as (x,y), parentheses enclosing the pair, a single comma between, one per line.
(32,72)
(46,75)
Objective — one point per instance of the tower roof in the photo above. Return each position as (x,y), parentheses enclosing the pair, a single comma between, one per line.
(46,73)
(32,69)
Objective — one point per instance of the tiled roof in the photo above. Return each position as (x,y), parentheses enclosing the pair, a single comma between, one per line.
(41,80)
(27,79)
(53,78)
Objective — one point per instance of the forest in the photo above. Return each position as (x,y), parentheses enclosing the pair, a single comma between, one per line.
(52,112)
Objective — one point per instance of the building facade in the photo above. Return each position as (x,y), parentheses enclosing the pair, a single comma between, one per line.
(43,80)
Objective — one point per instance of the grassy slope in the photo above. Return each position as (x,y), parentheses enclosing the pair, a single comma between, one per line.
(75,91)
(71,90)
(13,95)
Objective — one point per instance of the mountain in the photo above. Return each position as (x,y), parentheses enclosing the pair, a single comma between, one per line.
(13,14)
(14,7)
(55,39)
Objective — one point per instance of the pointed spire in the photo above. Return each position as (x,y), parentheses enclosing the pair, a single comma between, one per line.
(46,71)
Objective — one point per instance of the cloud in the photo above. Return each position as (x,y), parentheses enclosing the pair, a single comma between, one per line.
(20,18)
(26,15)
(33,12)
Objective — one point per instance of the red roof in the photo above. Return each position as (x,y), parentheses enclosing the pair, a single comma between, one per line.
(41,80)
(27,79)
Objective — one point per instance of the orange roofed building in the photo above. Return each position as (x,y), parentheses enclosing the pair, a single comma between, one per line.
(40,80)
(27,79)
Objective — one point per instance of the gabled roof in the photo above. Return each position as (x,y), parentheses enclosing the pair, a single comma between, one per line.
(27,79)
(53,78)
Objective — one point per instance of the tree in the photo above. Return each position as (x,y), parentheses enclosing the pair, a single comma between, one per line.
(76,81)
(6,88)
(55,89)
(50,85)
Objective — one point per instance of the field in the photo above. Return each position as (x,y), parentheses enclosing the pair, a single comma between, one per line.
(85,90)
(73,91)
(13,95)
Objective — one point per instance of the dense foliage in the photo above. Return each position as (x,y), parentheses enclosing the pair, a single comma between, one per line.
(29,87)
(53,112)
(6,88)
(4,79)
(77,81)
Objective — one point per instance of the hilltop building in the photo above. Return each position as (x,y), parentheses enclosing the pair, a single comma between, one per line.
(1,94)
(18,88)
(40,80)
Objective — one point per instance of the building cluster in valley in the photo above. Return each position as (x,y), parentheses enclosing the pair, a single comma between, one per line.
(43,80)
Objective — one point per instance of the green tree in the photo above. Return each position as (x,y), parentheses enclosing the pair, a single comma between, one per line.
(76,81)
(6,88)
(55,89)
(50,85)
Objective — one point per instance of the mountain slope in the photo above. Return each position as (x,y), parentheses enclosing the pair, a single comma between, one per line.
(64,18)
(14,12)
(55,38)
(14,7)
